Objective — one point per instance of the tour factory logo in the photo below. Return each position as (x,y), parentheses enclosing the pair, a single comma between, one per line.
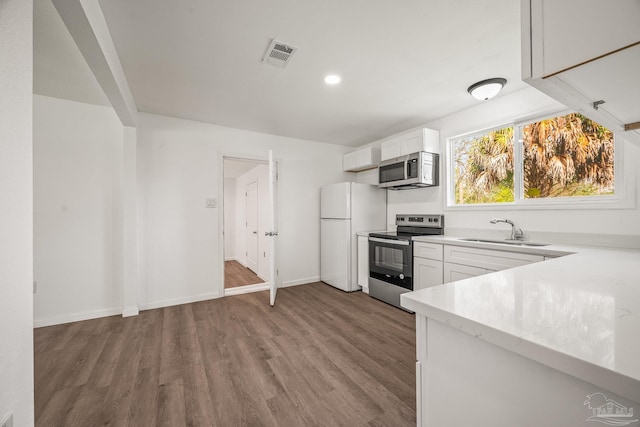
(608,411)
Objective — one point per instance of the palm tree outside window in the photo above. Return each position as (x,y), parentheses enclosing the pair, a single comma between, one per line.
(563,157)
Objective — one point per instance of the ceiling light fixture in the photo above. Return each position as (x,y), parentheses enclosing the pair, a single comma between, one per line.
(486,89)
(332,79)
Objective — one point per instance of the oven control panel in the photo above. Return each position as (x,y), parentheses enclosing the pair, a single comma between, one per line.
(433,221)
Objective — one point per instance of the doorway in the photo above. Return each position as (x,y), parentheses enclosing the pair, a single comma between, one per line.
(246,218)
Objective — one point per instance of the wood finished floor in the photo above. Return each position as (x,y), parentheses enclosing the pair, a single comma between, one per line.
(320,357)
(235,274)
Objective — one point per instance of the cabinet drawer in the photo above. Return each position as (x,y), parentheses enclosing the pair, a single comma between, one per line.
(488,258)
(427,250)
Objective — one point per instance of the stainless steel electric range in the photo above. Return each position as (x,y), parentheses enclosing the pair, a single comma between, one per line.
(391,256)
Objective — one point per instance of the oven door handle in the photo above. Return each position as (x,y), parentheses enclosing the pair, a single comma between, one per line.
(390,242)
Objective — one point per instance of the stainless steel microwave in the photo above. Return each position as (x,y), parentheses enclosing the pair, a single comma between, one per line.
(414,170)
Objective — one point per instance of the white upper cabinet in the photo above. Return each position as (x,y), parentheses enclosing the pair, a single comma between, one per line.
(581,52)
(419,140)
(566,33)
(362,159)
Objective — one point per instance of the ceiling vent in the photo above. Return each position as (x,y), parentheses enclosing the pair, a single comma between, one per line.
(279,54)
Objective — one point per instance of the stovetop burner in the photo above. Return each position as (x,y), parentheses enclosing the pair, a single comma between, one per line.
(414,225)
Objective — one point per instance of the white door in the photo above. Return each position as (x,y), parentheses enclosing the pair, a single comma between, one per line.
(252,225)
(273,233)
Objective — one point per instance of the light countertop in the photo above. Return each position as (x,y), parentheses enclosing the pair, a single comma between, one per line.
(579,313)
(551,250)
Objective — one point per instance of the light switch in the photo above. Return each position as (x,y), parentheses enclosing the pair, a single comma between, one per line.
(211,203)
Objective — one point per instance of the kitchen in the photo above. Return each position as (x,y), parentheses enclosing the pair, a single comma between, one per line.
(175,161)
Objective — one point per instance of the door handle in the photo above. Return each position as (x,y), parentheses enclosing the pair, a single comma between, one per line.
(270,233)
(255,232)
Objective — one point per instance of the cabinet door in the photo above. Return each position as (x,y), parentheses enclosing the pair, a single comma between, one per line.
(363,263)
(569,32)
(350,161)
(427,250)
(362,159)
(453,272)
(390,149)
(566,56)
(426,273)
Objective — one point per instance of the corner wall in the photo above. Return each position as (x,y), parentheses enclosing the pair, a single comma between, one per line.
(77,208)
(16,211)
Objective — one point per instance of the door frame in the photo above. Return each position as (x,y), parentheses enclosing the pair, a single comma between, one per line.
(220,290)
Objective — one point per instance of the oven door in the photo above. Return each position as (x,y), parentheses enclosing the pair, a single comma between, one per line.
(391,261)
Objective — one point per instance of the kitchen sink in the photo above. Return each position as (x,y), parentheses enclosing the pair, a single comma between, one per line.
(506,242)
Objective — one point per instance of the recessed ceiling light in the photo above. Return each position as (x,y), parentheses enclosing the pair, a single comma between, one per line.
(486,89)
(332,79)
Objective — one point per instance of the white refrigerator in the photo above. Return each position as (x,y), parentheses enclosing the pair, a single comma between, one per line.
(346,209)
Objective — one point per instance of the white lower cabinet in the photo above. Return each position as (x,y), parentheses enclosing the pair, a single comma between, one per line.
(453,272)
(426,273)
(434,264)
(363,263)
(427,265)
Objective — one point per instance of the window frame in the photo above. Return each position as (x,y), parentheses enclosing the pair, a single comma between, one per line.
(618,200)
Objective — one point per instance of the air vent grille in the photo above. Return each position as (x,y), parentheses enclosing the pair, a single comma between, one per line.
(279,54)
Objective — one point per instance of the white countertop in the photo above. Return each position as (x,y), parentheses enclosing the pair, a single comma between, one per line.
(550,250)
(579,314)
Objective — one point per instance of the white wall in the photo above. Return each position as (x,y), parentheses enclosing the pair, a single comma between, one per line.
(77,209)
(179,165)
(260,174)
(230,219)
(16,259)
(593,226)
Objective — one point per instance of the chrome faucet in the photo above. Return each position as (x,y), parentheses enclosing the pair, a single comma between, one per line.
(516,233)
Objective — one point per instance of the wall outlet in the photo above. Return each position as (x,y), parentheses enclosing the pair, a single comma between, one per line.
(211,203)
(7,421)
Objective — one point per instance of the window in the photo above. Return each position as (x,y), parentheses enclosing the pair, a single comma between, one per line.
(563,158)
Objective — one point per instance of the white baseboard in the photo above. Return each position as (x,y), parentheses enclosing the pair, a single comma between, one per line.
(246,289)
(130,311)
(133,311)
(300,282)
(75,317)
(178,301)
(232,258)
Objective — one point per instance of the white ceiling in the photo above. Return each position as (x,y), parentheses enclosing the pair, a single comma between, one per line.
(403,63)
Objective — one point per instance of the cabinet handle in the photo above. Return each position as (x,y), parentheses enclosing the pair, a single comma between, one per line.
(632,126)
